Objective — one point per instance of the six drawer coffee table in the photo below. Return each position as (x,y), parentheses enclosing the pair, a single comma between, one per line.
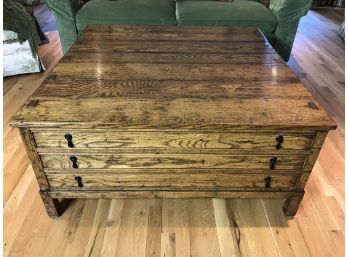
(182,112)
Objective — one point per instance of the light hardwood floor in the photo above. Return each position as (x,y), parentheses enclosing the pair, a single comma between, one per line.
(201,227)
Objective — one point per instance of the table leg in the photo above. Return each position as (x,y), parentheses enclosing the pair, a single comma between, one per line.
(52,205)
(292,204)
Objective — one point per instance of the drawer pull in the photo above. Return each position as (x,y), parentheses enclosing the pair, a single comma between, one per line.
(79,181)
(73,159)
(272,162)
(268,181)
(280,140)
(68,137)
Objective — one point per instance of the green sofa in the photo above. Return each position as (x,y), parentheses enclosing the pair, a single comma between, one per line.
(278,22)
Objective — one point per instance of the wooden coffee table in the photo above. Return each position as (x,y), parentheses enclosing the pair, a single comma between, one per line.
(172,112)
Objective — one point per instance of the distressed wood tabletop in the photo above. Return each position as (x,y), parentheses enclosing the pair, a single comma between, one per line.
(127,78)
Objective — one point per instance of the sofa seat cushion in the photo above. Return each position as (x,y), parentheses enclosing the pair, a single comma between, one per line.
(239,13)
(131,12)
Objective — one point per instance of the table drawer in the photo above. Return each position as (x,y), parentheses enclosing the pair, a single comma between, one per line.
(175,140)
(176,161)
(174,181)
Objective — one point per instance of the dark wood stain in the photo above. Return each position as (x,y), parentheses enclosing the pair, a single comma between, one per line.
(172,112)
(33,103)
(313,106)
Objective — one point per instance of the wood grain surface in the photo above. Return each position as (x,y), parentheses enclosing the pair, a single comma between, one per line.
(160,140)
(181,94)
(180,161)
(169,181)
(150,89)
(188,227)
(254,193)
(165,112)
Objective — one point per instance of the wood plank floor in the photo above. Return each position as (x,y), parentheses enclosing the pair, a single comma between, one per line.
(201,227)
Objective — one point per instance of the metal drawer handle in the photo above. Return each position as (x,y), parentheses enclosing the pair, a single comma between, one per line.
(268,181)
(272,162)
(68,137)
(280,140)
(79,181)
(73,159)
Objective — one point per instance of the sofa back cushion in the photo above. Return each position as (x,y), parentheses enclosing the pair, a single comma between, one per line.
(239,13)
(130,12)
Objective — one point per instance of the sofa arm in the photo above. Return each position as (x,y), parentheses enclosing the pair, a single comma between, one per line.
(65,12)
(288,14)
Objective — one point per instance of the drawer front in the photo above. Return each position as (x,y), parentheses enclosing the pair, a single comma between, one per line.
(176,161)
(179,141)
(170,181)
